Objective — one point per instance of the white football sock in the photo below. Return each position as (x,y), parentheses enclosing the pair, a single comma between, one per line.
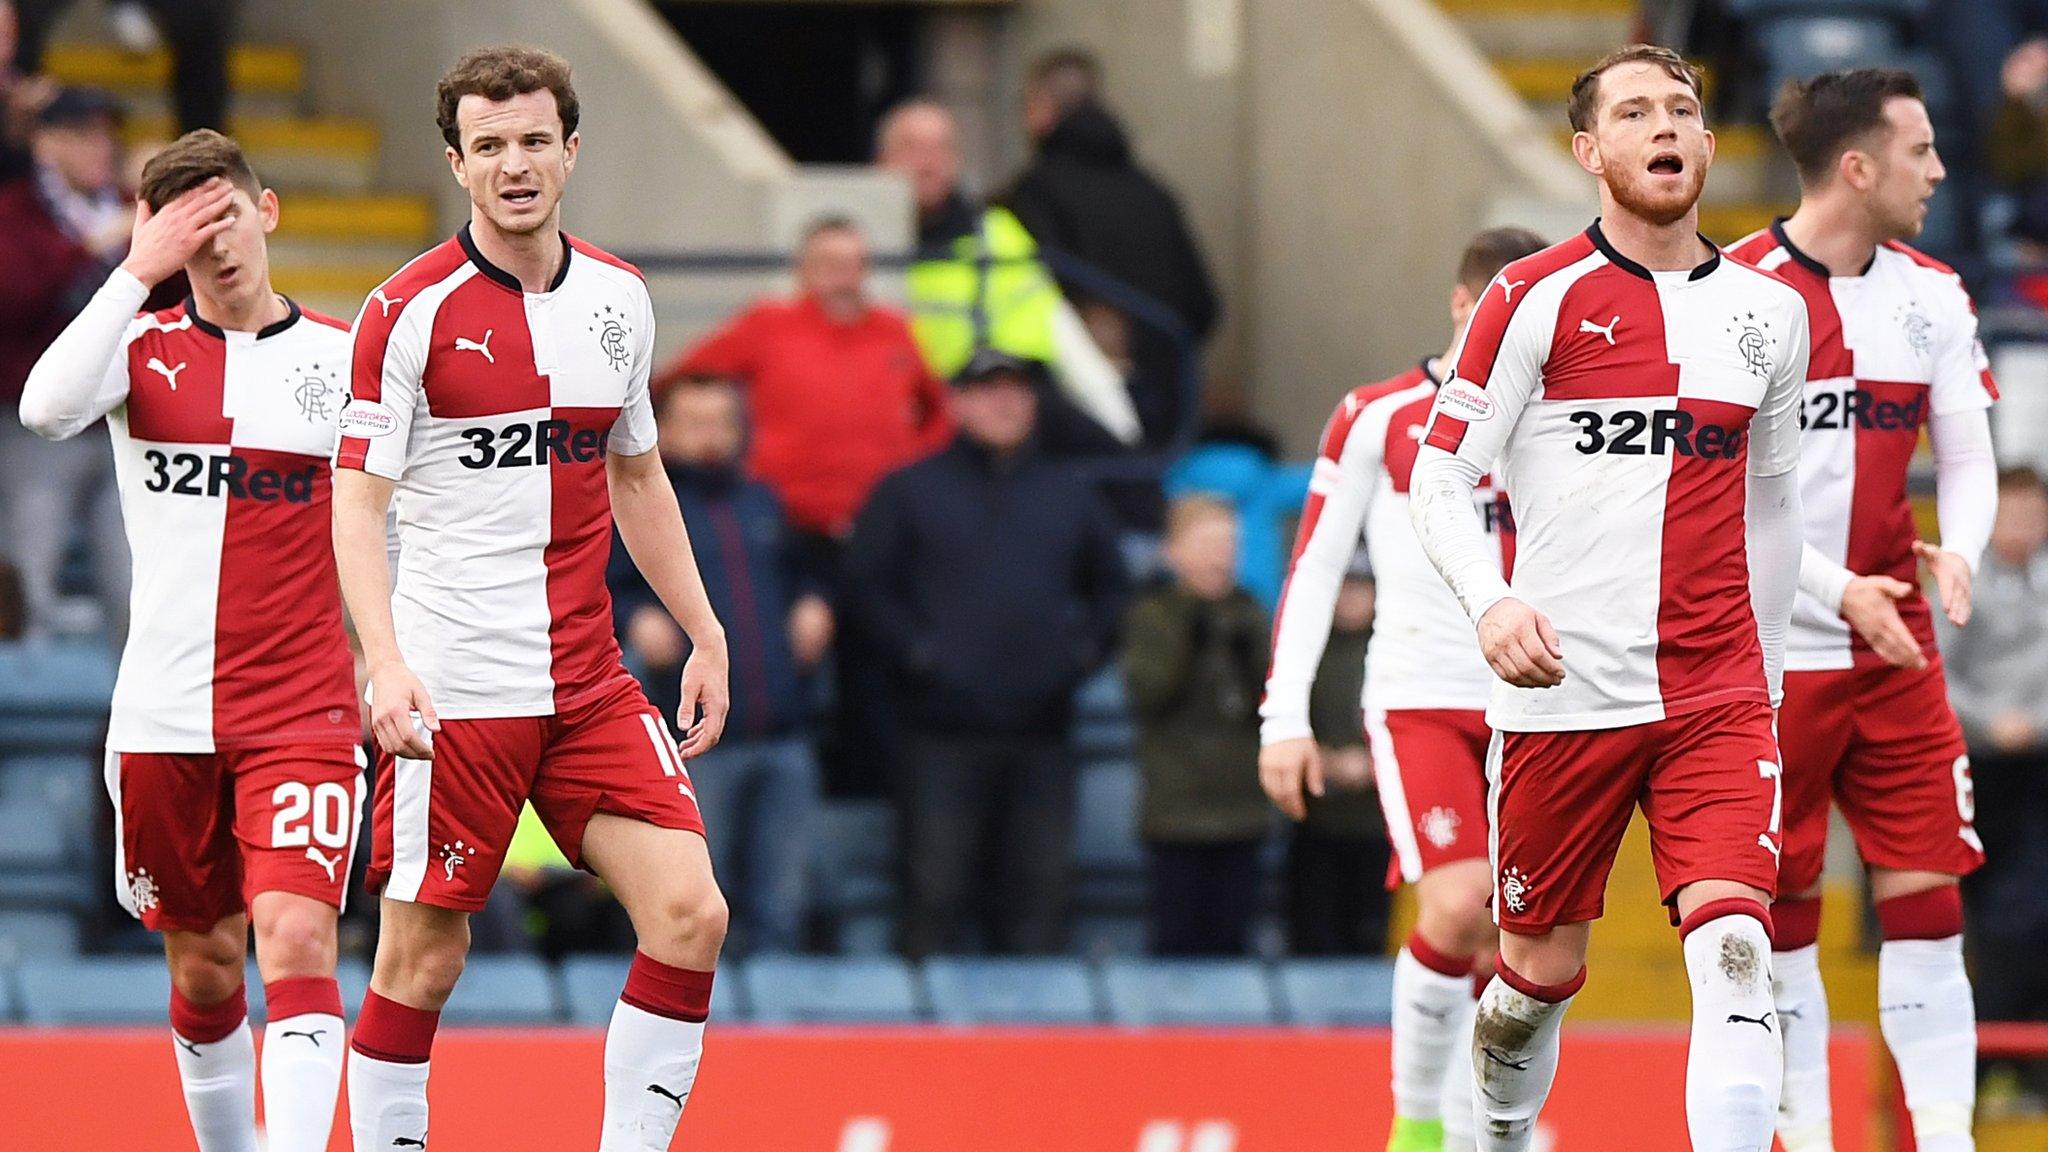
(1735,1069)
(387,1104)
(1930,1023)
(301,1075)
(1429,1010)
(220,1089)
(1805,1115)
(1514,1060)
(650,1065)
(1457,1080)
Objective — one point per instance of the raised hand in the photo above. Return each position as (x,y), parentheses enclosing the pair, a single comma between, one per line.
(163,241)
(1870,605)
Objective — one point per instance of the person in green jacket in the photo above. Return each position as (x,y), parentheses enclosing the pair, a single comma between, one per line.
(1195,664)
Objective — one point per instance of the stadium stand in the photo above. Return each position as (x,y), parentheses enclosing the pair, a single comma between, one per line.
(94,990)
(1336,992)
(820,990)
(591,983)
(1150,993)
(504,990)
(976,990)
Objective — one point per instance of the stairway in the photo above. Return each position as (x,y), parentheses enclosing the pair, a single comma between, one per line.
(339,233)
(1540,46)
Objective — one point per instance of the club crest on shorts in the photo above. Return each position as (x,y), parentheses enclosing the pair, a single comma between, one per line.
(454,856)
(142,890)
(1439,826)
(1515,887)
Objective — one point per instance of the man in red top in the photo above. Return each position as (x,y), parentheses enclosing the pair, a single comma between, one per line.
(837,393)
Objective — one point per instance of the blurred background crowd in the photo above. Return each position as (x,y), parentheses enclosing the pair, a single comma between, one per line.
(995,540)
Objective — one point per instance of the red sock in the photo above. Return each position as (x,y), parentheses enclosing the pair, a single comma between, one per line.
(1542,993)
(300,996)
(1795,923)
(1726,906)
(1935,914)
(208,1023)
(394,1033)
(664,990)
(1441,963)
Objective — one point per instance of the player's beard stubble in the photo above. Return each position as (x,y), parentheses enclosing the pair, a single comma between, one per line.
(1654,199)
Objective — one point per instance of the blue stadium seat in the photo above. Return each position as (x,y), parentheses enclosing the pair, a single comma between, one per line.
(32,837)
(1169,992)
(591,984)
(95,990)
(1109,860)
(855,856)
(10,1000)
(64,888)
(1099,937)
(828,990)
(504,990)
(975,990)
(40,934)
(1337,992)
(1102,716)
(1886,9)
(54,695)
(866,934)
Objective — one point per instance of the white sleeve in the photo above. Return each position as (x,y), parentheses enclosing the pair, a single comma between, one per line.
(83,375)
(1822,578)
(1499,364)
(1774,527)
(633,433)
(1962,372)
(1965,481)
(1339,492)
(384,388)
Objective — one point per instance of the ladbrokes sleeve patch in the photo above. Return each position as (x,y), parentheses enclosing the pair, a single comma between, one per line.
(1464,400)
(368,419)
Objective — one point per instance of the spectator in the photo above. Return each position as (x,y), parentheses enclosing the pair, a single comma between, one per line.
(549,906)
(13,607)
(991,582)
(758,790)
(1241,462)
(199,32)
(1996,669)
(22,96)
(837,394)
(1337,880)
(1083,194)
(62,229)
(1195,663)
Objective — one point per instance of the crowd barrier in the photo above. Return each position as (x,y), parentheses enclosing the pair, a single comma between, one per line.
(917,1090)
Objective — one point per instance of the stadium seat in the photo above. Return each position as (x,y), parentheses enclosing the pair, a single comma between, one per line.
(1100,937)
(54,696)
(1886,9)
(1171,992)
(31,837)
(504,990)
(40,934)
(1108,858)
(1102,717)
(591,984)
(1337,992)
(855,856)
(976,990)
(866,934)
(828,990)
(94,990)
(10,1000)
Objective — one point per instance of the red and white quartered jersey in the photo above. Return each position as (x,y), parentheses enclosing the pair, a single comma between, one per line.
(221,442)
(1893,348)
(1422,653)
(1624,409)
(492,409)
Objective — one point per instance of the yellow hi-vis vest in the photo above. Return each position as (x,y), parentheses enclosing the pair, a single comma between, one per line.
(990,292)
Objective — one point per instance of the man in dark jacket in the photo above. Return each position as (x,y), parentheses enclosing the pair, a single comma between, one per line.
(991,580)
(759,788)
(1084,194)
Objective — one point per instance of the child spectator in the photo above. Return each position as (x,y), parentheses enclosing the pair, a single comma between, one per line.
(1196,664)
(1337,898)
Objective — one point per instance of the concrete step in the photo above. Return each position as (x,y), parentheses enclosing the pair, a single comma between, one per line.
(1727,223)
(375,218)
(1547,80)
(336,287)
(267,69)
(328,154)
(1611,8)
(1582,36)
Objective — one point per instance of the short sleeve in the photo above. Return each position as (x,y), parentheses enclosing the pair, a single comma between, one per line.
(389,357)
(633,433)
(1962,371)
(1497,367)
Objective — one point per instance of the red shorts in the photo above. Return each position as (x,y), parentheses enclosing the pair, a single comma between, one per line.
(198,834)
(1706,780)
(1429,765)
(1885,744)
(442,826)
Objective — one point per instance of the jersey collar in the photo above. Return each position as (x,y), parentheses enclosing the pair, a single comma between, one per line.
(504,278)
(1699,272)
(1428,366)
(291,317)
(1800,257)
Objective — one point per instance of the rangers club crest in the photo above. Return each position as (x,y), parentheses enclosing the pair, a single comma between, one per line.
(1754,343)
(142,890)
(454,856)
(1514,890)
(1439,826)
(311,395)
(609,325)
(1918,328)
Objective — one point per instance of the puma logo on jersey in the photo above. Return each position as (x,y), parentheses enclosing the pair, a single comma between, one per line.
(1507,289)
(482,346)
(1607,331)
(160,368)
(386,303)
(326,865)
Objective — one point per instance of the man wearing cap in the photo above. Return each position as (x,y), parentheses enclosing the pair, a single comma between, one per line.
(63,227)
(991,580)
